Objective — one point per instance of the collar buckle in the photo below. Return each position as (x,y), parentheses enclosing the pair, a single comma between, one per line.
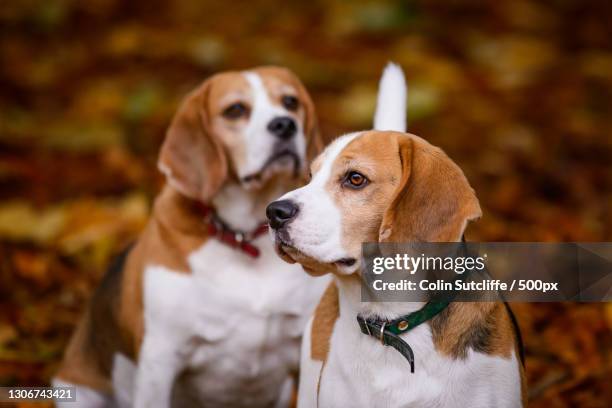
(382,333)
(367,326)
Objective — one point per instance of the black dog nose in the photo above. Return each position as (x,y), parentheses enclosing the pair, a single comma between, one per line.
(283,127)
(280,212)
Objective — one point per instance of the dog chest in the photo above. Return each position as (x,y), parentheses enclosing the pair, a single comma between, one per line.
(380,376)
(237,320)
(248,367)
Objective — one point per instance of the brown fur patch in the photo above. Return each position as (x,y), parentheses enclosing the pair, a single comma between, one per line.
(484,327)
(81,364)
(323,322)
(192,157)
(376,157)
(415,193)
(433,201)
(114,318)
(524,394)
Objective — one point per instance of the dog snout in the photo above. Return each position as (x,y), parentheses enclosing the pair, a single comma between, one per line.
(282,127)
(281,212)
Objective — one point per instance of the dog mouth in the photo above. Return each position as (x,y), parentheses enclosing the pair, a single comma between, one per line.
(287,250)
(345,262)
(283,155)
(283,246)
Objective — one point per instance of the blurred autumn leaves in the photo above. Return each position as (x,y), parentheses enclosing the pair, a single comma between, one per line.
(518,93)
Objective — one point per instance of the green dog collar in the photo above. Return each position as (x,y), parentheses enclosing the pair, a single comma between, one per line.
(389,331)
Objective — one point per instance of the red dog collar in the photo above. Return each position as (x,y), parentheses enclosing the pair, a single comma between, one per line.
(236,239)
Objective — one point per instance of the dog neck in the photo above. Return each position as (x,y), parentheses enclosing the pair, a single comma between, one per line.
(244,210)
(178,213)
(349,290)
(238,208)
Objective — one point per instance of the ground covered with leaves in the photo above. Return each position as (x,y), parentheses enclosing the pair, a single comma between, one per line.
(518,93)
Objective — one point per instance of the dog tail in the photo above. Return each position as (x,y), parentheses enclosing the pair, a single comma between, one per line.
(392,98)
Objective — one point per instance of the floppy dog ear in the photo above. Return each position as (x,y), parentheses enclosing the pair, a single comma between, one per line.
(314,141)
(191,157)
(433,201)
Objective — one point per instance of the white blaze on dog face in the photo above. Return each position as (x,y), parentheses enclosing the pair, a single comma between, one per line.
(370,187)
(260,117)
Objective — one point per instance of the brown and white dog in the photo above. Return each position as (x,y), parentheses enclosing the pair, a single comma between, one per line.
(200,311)
(389,186)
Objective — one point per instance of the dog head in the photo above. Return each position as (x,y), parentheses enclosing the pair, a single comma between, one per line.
(371,187)
(251,125)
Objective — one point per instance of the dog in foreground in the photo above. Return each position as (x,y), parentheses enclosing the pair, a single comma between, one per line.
(200,311)
(388,186)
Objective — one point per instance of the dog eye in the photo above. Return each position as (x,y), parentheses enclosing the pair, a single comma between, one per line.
(235,111)
(290,102)
(355,180)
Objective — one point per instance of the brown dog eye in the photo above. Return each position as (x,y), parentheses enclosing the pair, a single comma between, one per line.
(235,111)
(290,102)
(356,180)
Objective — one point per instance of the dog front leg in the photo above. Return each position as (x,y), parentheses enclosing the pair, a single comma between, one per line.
(159,364)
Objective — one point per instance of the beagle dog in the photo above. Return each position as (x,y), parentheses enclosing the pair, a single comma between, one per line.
(388,186)
(200,311)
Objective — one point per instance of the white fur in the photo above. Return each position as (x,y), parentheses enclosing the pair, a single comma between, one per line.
(391,102)
(286,393)
(123,376)
(309,372)
(239,208)
(234,326)
(85,397)
(257,140)
(317,230)
(361,370)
